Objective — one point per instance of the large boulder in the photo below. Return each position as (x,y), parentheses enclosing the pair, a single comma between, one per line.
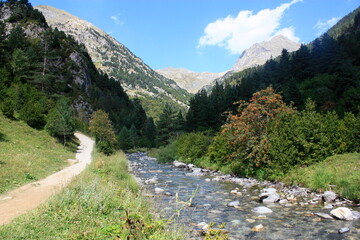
(342,213)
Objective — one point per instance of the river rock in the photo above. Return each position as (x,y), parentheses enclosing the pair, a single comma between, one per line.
(235,222)
(258,228)
(191,166)
(328,206)
(179,164)
(262,210)
(233,204)
(344,230)
(153,180)
(269,195)
(159,190)
(356,214)
(271,198)
(342,213)
(324,215)
(283,201)
(329,196)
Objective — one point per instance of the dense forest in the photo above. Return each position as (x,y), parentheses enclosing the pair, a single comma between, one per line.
(46,75)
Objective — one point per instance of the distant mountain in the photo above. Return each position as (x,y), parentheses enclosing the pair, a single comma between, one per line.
(189,80)
(259,53)
(112,57)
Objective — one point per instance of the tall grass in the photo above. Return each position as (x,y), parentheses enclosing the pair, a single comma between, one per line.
(27,154)
(104,202)
(340,173)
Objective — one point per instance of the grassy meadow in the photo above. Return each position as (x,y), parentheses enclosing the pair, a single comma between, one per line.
(340,173)
(27,154)
(103,202)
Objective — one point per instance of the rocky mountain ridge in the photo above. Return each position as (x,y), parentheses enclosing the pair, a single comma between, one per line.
(255,55)
(112,57)
(189,80)
(260,52)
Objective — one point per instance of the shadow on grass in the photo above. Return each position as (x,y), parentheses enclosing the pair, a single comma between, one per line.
(72,142)
(2,137)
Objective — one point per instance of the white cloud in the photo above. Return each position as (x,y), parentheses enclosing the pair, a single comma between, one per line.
(240,32)
(323,26)
(117,20)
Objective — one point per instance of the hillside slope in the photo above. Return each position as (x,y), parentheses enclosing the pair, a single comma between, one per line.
(112,57)
(28,154)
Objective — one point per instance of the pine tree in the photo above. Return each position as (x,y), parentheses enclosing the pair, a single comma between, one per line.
(60,120)
(150,132)
(166,125)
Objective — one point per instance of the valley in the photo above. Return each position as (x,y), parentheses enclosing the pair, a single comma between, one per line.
(267,149)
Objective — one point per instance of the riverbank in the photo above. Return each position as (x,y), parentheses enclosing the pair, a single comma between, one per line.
(102,202)
(247,208)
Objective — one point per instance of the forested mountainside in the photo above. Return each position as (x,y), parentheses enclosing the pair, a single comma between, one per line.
(327,71)
(113,58)
(43,72)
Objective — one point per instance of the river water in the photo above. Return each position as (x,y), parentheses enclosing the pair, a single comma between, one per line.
(196,199)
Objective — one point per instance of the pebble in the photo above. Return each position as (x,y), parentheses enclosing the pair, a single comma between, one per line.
(235,222)
(324,215)
(258,228)
(159,190)
(328,206)
(262,210)
(344,230)
(250,220)
(233,204)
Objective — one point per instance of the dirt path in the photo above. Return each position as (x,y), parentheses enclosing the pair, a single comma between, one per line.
(29,196)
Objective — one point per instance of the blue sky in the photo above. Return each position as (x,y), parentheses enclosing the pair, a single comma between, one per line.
(203,35)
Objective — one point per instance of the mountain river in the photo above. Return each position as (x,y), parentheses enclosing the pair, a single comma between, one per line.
(194,199)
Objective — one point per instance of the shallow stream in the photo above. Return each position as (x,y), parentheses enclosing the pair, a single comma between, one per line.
(196,199)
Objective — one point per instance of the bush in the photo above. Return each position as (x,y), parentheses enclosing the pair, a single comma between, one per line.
(192,145)
(167,153)
(32,114)
(105,147)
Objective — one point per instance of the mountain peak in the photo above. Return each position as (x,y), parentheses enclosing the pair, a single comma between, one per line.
(260,52)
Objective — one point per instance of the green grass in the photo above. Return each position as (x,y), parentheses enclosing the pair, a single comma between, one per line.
(343,171)
(103,202)
(27,154)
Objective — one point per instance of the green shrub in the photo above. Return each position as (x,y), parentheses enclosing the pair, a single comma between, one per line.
(167,153)
(192,145)
(32,114)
